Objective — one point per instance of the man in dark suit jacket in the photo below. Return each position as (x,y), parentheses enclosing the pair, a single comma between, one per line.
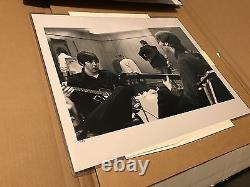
(100,114)
(154,57)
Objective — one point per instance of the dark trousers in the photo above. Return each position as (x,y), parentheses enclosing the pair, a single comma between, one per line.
(169,104)
(113,114)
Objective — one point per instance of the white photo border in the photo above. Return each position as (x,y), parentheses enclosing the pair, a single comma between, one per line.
(93,151)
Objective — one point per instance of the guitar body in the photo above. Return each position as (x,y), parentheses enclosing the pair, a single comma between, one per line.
(101,98)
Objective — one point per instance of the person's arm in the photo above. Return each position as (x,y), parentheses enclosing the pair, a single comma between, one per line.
(143,53)
(76,118)
(174,91)
(73,112)
(115,79)
(125,67)
(67,90)
(134,68)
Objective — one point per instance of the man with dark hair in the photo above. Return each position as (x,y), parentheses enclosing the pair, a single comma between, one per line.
(192,66)
(154,57)
(103,105)
(190,69)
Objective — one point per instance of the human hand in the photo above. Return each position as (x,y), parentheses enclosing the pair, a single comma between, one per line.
(167,83)
(67,90)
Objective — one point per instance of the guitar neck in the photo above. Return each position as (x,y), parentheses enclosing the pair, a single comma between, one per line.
(85,90)
(148,76)
(159,76)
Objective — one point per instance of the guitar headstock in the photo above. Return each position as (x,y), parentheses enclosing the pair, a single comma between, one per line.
(130,78)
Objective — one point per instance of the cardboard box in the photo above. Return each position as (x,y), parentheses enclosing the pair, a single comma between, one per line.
(32,145)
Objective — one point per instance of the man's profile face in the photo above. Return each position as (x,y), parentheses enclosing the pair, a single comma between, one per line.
(92,66)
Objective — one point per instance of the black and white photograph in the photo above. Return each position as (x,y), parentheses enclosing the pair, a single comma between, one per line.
(121,80)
